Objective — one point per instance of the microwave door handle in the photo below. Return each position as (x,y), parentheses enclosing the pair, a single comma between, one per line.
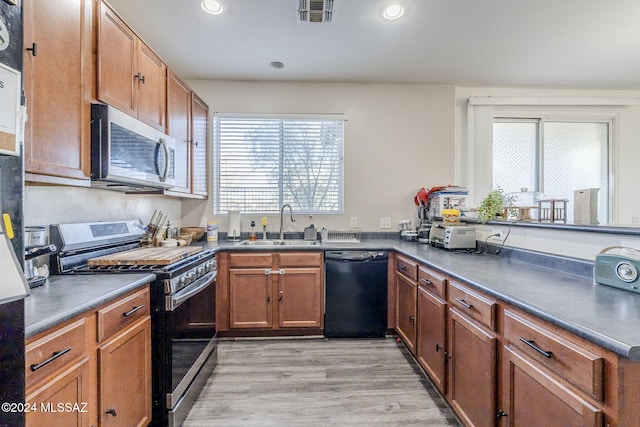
(163,177)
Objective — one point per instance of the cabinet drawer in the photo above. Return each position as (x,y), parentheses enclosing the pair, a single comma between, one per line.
(407,267)
(300,259)
(582,368)
(53,351)
(472,304)
(122,313)
(250,260)
(431,281)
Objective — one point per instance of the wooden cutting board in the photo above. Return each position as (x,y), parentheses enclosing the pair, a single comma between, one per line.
(146,256)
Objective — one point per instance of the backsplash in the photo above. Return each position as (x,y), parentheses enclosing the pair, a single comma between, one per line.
(51,205)
(563,264)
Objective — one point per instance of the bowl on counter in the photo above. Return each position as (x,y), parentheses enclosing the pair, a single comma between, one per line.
(196,232)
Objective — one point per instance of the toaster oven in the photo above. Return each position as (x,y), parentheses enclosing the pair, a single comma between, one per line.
(452,236)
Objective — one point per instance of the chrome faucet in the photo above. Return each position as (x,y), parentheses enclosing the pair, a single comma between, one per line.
(293,218)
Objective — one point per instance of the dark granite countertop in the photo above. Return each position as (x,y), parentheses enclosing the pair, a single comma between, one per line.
(605,316)
(65,297)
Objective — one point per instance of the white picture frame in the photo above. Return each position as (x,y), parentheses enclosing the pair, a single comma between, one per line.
(10,116)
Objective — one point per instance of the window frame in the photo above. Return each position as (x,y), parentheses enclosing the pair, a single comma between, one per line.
(542,118)
(281,190)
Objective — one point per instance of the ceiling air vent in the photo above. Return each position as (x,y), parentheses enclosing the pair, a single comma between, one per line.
(315,10)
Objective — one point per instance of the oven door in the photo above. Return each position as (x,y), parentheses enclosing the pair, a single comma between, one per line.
(191,315)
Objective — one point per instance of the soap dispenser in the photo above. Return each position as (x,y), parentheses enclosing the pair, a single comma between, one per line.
(252,232)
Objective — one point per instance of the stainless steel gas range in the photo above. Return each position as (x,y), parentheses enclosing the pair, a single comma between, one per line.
(182,357)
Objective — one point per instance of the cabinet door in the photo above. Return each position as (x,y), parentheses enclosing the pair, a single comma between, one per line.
(179,127)
(533,397)
(300,298)
(151,87)
(406,295)
(200,141)
(472,370)
(71,386)
(250,298)
(124,377)
(431,333)
(117,51)
(57,80)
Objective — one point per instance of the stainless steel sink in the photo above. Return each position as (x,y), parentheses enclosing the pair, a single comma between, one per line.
(269,242)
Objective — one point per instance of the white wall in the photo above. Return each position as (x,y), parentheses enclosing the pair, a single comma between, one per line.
(398,138)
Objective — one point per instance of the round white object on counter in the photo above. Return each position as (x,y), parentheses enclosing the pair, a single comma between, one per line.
(168,242)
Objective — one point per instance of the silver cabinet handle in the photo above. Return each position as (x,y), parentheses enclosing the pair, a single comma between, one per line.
(167,162)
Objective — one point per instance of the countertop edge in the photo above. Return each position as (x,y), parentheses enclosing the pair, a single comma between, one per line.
(604,341)
(60,317)
(631,352)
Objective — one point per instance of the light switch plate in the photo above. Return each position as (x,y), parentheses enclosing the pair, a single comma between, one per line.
(354,221)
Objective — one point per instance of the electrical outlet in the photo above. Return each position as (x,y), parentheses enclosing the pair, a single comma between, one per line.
(385,222)
(497,234)
(354,221)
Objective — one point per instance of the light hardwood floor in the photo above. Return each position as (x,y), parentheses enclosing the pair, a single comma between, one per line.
(318,382)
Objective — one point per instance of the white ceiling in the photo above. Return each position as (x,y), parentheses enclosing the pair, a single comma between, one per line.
(532,43)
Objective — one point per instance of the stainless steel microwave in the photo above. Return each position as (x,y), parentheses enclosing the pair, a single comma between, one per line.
(128,155)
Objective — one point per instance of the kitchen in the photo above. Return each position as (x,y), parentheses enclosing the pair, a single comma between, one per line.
(421,119)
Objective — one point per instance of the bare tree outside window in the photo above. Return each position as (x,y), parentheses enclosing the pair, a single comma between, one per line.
(263,163)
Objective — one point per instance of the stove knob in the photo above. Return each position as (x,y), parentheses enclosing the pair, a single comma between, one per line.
(183,280)
(200,271)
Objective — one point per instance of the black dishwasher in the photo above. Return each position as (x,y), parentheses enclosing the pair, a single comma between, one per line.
(356,294)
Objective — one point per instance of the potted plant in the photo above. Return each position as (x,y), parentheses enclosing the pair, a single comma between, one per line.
(492,206)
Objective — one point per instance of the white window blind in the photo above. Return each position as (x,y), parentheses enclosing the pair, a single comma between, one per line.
(262,163)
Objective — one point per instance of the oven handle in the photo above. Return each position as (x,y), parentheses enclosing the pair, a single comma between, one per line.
(174,301)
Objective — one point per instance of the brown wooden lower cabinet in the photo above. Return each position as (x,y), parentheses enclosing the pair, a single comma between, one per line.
(406,297)
(270,291)
(250,298)
(472,370)
(69,387)
(300,299)
(533,396)
(431,349)
(124,376)
(94,369)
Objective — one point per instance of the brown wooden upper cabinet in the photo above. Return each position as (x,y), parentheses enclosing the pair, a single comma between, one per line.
(131,77)
(179,127)
(58,77)
(200,137)
(188,123)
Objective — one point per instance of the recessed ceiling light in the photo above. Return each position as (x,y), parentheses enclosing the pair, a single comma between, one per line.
(393,11)
(212,6)
(277,64)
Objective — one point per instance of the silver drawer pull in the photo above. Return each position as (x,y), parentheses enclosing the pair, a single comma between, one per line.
(426,282)
(534,346)
(56,354)
(464,303)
